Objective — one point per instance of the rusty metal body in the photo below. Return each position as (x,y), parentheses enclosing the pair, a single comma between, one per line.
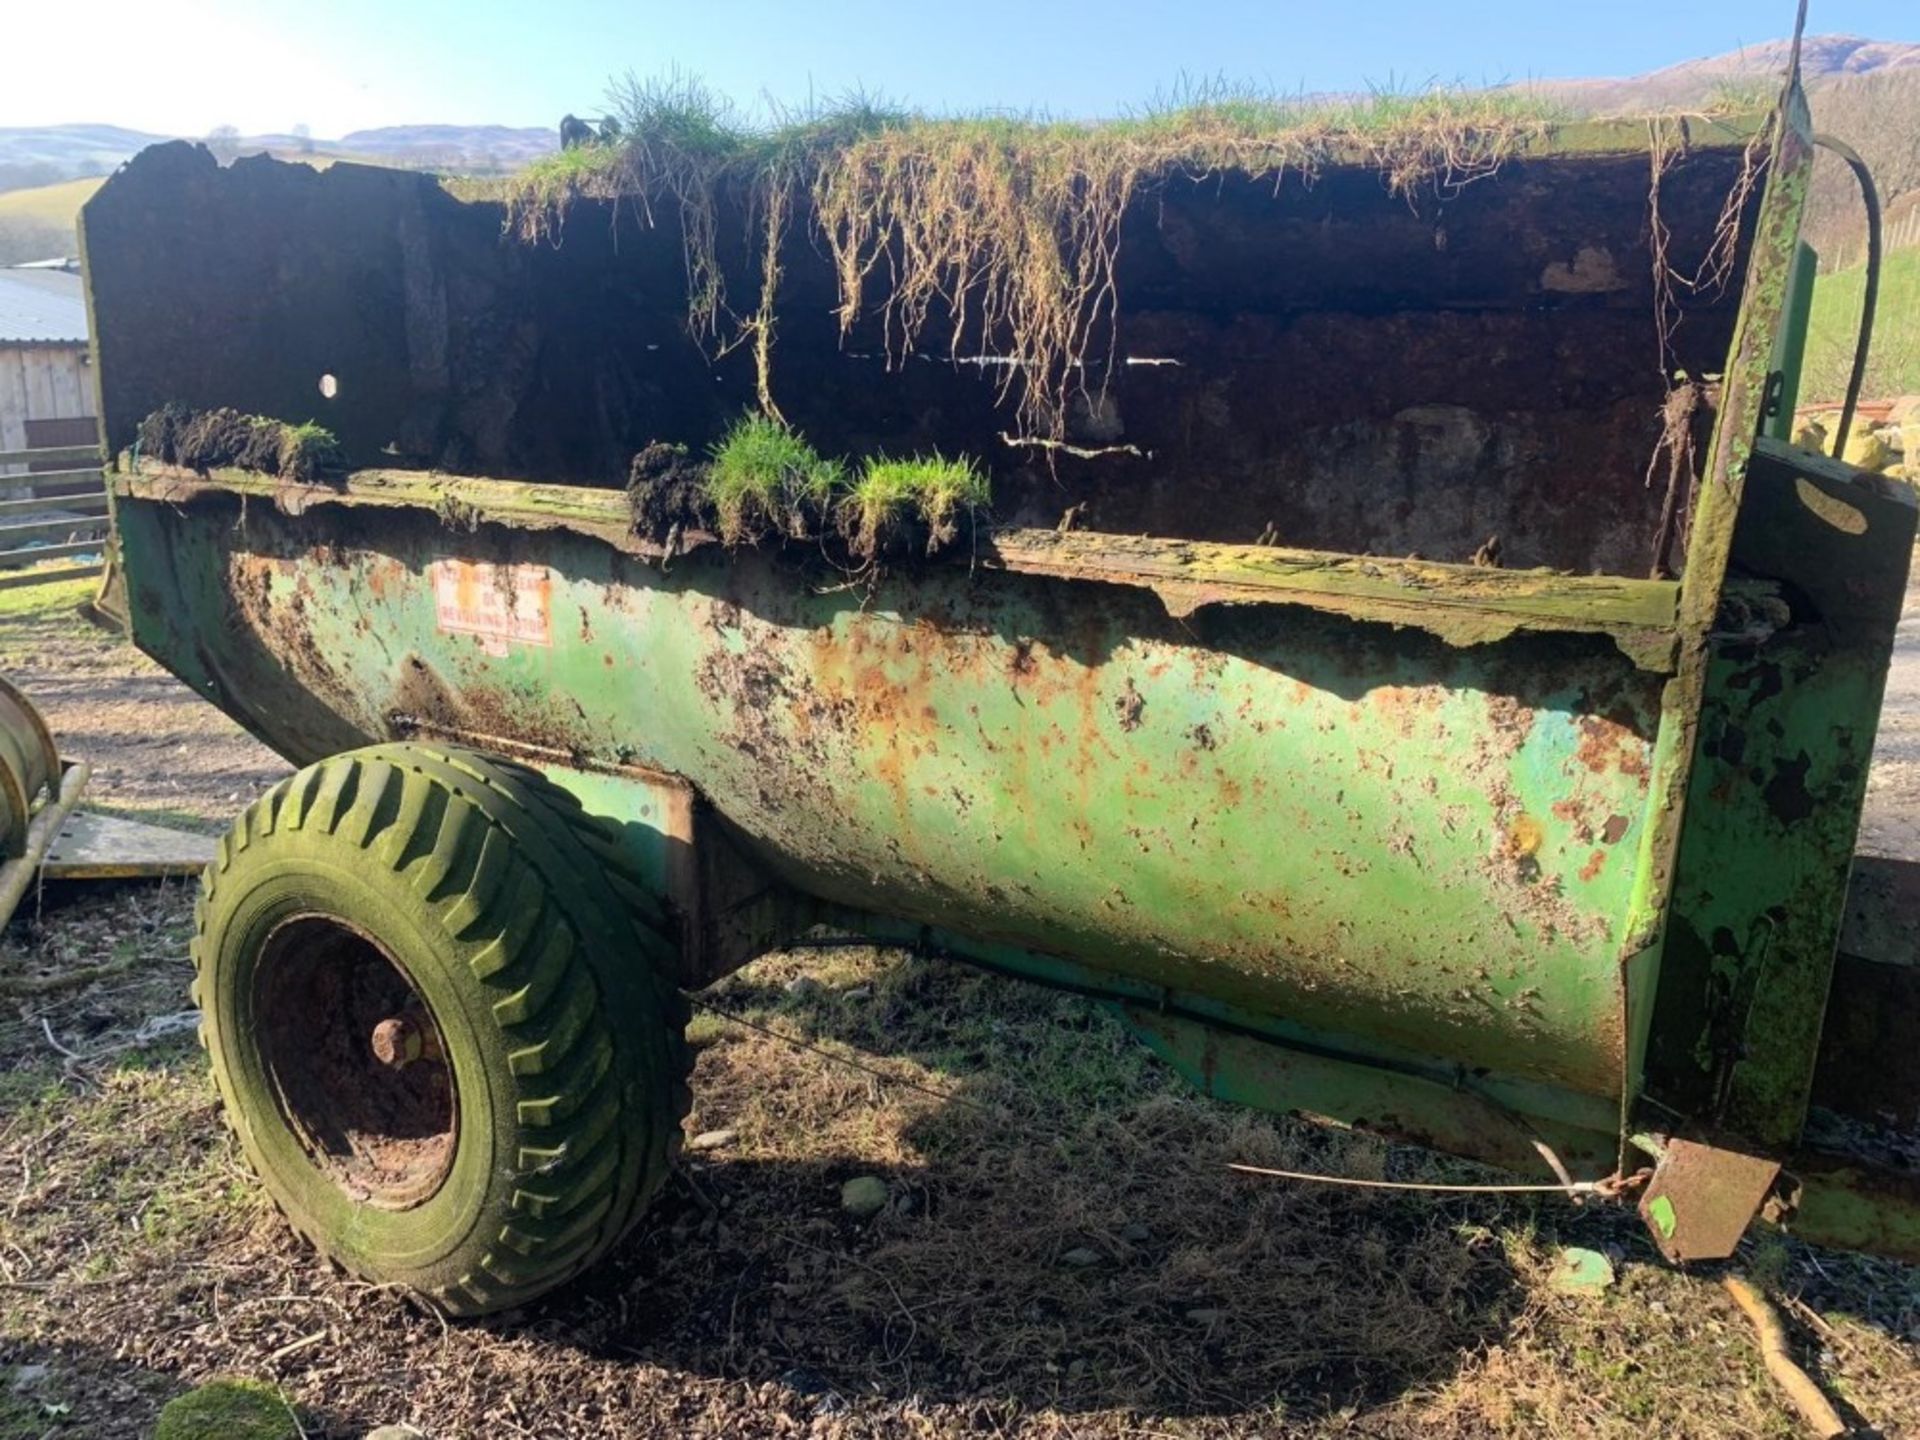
(29,768)
(37,795)
(1481,858)
(43,833)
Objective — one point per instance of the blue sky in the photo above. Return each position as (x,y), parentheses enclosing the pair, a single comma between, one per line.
(338,65)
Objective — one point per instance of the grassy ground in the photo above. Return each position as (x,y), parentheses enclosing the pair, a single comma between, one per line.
(1894,364)
(1063,1252)
(51,606)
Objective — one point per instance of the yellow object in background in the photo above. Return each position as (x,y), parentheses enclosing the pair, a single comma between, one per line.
(1867,450)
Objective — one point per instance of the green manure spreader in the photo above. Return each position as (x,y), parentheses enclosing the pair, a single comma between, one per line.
(1336,590)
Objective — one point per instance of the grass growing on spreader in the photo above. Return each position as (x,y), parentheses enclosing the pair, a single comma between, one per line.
(1008,226)
(764,475)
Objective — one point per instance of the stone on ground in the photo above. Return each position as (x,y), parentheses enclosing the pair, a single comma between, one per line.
(864,1196)
(1581,1272)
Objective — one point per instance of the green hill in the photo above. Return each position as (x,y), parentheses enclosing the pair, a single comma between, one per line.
(1893,367)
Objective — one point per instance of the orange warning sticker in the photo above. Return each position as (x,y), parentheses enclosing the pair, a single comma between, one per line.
(500,604)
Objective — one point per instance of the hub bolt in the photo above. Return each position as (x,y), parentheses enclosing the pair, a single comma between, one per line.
(397,1042)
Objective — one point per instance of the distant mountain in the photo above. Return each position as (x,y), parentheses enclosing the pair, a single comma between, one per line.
(1879,115)
(1865,92)
(478,147)
(68,151)
(1694,82)
(42,155)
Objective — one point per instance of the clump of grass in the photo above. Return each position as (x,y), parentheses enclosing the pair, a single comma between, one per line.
(206,440)
(891,496)
(543,187)
(684,147)
(1737,94)
(763,479)
(763,475)
(308,451)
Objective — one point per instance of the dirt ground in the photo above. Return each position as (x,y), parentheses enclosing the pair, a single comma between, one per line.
(1063,1253)
(157,750)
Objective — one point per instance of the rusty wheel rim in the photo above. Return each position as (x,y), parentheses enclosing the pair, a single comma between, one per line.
(356,1061)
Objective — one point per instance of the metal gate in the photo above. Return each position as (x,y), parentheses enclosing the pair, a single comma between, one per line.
(37,528)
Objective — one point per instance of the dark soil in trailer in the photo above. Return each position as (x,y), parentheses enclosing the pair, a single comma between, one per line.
(206,440)
(668,487)
(1329,366)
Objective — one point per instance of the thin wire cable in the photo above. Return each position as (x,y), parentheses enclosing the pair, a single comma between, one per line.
(1869,300)
(1612,1185)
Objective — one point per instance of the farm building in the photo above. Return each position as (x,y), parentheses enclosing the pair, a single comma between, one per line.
(46,374)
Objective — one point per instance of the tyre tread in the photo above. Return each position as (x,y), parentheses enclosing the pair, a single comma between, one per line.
(500,877)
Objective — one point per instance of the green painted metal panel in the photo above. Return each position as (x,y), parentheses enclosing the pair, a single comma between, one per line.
(1715,514)
(1791,352)
(1793,688)
(1353,826)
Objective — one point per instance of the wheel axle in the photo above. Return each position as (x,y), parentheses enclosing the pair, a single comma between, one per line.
(399,1040)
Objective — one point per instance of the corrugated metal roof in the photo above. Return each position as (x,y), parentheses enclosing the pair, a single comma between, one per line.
(41,307)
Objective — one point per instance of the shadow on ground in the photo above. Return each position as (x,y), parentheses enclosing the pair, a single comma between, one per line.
(71,1389)
(1061,1251)
(1061,1232)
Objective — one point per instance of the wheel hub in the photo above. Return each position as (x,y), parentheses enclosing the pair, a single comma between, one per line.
(356,1061)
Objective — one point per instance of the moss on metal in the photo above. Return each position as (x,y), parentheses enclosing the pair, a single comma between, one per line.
(1462,605)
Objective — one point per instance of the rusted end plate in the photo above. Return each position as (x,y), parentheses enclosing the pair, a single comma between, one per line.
(1701,1199)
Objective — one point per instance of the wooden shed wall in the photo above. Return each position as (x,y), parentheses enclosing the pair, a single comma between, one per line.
(41,382)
